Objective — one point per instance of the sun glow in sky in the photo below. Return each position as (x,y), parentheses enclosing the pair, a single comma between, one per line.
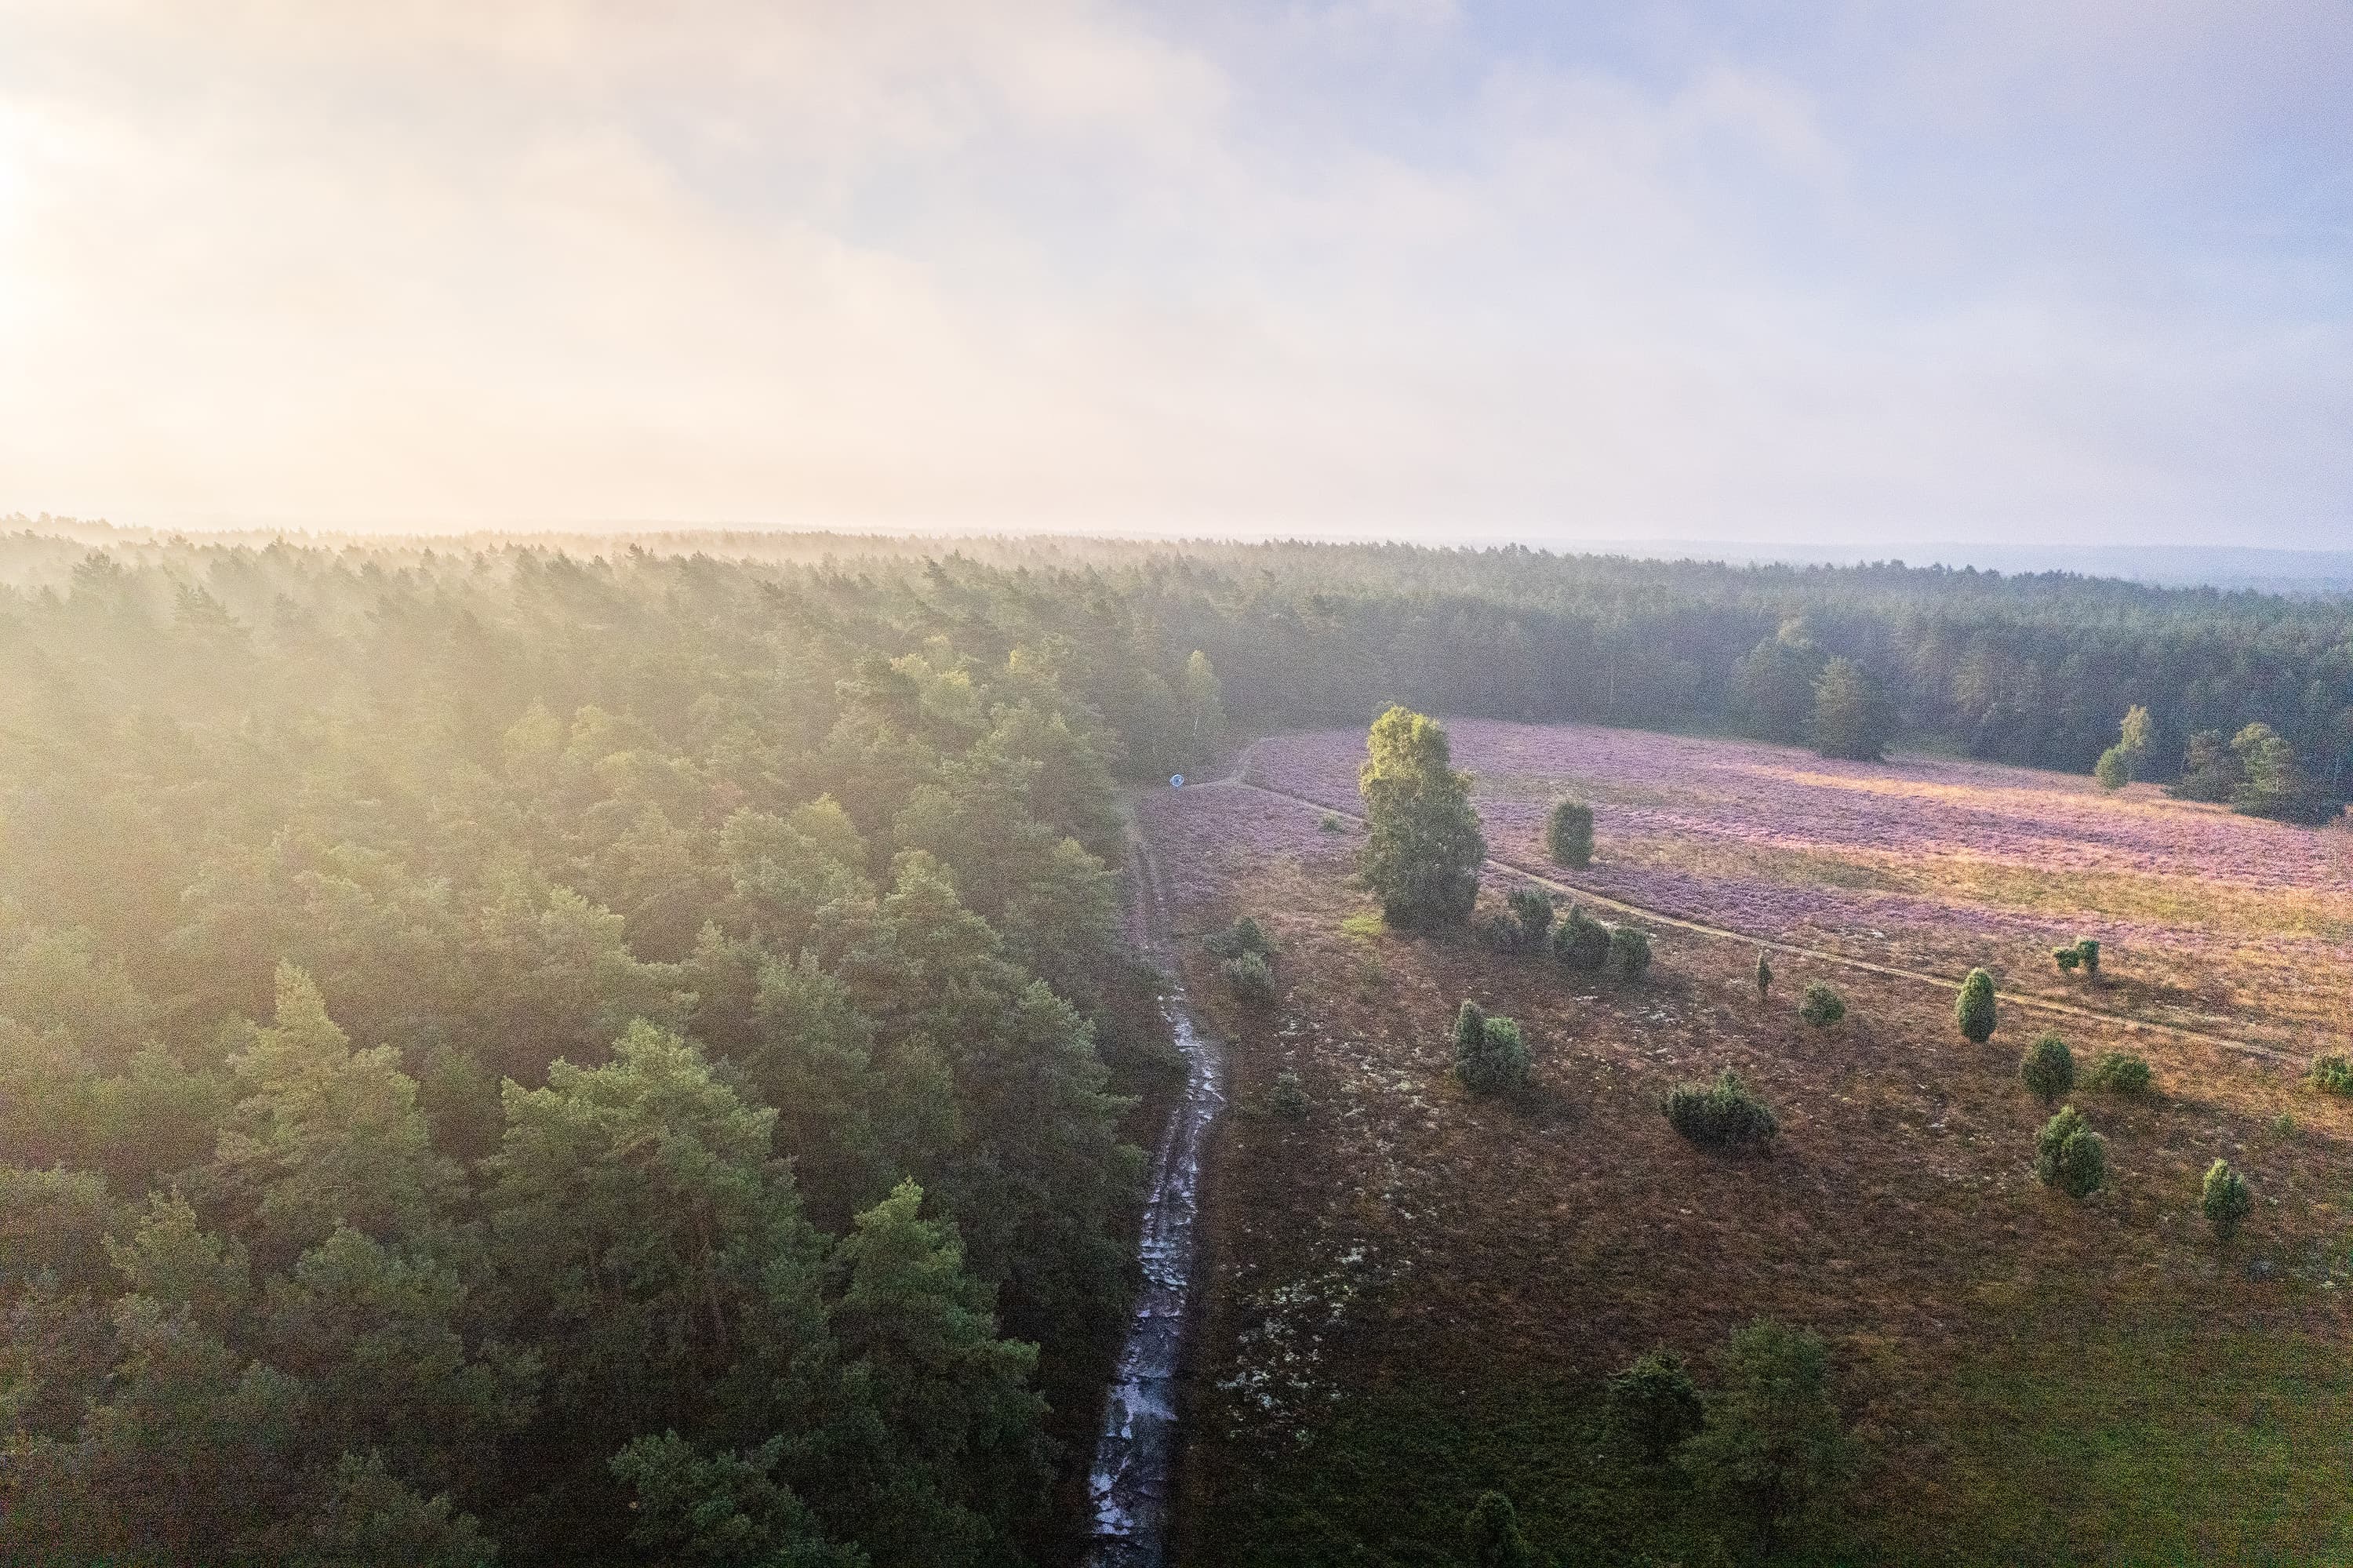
(2015,271)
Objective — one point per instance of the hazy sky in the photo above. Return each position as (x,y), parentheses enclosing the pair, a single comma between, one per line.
(2038,271)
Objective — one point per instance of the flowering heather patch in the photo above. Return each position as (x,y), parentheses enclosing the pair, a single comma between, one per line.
(1208,834)
(1938,862)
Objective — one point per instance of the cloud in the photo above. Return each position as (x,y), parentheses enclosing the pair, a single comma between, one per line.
(1069,264)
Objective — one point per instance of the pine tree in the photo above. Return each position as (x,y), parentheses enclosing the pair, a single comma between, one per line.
(1492,1536)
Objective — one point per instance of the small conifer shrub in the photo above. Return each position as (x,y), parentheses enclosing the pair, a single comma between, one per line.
(2332,1072)
(1629,950)
(1489,1055)
(2225,1199)
(2084,953)
(2069,1156)
(1764,976)
(1580,942)
(1973,1010)
(1249,977)
(1289,1097)
(1333,823)
(1244,935)
(1569,834)
(2048,1069)
(1531,910)
(1655,1405)
(2120,1073)
(1723,1116)
(1822,1006)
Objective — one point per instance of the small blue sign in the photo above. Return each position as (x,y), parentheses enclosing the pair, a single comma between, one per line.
(1176,781)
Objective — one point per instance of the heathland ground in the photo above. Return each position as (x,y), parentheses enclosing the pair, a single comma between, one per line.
(1415,1293)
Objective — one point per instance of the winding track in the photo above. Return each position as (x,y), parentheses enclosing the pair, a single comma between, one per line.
(1131,1479)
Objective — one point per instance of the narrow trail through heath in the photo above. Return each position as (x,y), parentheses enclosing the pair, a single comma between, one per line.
(1129,1484)
(1239,778)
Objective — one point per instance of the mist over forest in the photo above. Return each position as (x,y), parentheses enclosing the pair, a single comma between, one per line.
(586,1052)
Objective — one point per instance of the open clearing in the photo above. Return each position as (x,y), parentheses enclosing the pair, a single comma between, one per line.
(1413,1293)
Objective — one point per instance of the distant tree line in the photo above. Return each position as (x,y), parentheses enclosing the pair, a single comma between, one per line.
(2033,668)
(2037,670)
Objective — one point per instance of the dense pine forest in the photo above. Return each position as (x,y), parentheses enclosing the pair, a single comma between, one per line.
(594,1053)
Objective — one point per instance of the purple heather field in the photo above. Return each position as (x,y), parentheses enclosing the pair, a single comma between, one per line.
(1930,859)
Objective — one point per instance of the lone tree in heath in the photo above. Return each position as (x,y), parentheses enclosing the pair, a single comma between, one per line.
(1491,1056)
(2225,1199)
(1569,834)
(1773,1452)
(1764,976)
(2069,1156)
(1422,845)
(1974,1010)
(2048,1069)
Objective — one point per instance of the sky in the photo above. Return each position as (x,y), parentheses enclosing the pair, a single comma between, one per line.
(2027,271)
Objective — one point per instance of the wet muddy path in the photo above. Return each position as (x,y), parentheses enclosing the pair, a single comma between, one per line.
(1129,1485)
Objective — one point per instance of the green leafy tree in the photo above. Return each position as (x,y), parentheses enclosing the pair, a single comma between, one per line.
(1773,1453)
(1974,1009)
(1249,977)
(1422,845)
(2271,782)
(2122,763)
(1851,719)
(1773,684)
(1532,914)
(1203,698)
(2210,770)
